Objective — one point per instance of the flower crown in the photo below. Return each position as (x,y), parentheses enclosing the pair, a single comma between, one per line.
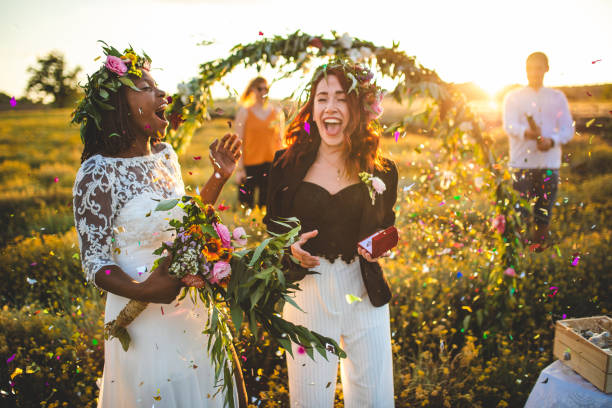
(109,78)
(363,84)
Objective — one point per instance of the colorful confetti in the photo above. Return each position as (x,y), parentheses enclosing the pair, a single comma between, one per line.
(13,102)
(575,261)
(596,61)
(352,298)
(11,358)
(307,127)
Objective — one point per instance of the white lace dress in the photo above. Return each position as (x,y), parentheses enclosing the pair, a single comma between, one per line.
(167,364)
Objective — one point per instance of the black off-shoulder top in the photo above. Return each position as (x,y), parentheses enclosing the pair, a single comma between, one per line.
(337,217)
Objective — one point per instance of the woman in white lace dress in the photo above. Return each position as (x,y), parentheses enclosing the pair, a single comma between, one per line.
(125,171)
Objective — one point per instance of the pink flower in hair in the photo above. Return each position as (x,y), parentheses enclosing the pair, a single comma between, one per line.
(114,64)
(375,108)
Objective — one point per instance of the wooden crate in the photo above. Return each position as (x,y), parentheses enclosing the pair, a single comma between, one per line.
(588,360)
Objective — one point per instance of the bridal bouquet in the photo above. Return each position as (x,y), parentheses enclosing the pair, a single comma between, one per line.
(235,285)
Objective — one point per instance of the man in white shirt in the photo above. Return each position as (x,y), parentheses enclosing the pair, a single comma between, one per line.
(537,121)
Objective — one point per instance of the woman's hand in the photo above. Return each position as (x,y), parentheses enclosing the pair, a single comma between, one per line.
(225,154)
(305,259)
(160,287)
(366,255)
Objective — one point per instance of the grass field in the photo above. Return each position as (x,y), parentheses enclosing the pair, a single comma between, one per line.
(51,323)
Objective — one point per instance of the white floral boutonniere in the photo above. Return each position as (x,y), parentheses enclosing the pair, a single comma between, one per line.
(375,185)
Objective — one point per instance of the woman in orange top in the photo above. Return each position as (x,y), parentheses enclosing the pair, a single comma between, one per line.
(260,126)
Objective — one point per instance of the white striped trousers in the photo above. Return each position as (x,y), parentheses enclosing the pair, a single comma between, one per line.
(362,331)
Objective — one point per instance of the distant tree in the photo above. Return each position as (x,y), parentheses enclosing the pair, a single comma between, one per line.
(51,77)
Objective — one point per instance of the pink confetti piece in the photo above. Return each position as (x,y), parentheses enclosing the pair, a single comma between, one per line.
(307,127)
(596,61)
(13,102)
(575,261)
(547,178)
(11,358)
(56,179)
(564,316)
(301,350)
(260,33)
(243,358)
(169,99)
(554,289)
(34,264)
(147,126)
(396,134)
(108,271)
(197,157)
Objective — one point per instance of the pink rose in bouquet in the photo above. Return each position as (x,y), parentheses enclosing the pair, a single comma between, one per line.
(116,65)
(239,235)
(220,271)
(224,234)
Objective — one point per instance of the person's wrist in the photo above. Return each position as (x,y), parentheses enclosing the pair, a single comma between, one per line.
(219,176)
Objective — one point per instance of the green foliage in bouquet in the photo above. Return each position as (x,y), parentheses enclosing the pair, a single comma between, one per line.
(235,286)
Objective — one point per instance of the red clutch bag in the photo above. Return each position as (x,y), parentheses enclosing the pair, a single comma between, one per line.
(379,243)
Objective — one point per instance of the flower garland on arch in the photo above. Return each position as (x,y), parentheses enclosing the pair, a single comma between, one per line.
(448,117)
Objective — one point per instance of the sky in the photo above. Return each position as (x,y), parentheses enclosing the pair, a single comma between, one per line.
(480,41)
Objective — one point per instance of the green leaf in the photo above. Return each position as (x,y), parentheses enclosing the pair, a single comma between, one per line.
(286,344)
(104,93)
(292,302)
(166,205)
(128,82)
(258,251)
(237,315)
(256,295)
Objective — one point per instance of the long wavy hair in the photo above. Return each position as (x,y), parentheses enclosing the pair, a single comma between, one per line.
(114,122)
(361,137)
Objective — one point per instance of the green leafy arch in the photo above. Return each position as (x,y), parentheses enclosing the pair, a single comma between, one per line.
(447,117)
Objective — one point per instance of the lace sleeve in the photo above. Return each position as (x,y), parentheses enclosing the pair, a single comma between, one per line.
(94,215)
(172,162)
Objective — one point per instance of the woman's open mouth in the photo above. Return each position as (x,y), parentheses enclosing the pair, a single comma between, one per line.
(160,112)
(333,126)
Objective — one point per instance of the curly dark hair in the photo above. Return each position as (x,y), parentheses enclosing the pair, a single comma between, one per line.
(117,133)
(362,137)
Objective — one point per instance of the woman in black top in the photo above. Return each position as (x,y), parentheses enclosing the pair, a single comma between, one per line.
(344,292)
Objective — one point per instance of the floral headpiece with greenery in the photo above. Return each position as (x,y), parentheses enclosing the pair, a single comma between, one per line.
(109,78)
(362,82)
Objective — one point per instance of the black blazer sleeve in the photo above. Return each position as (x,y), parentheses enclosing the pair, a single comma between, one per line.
(390,196)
